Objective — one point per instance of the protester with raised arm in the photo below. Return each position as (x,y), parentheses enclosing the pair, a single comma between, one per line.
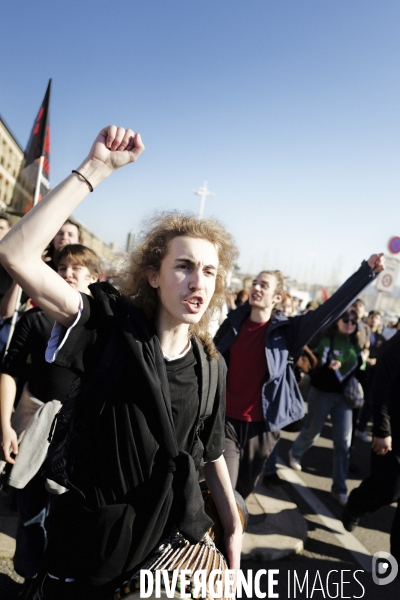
(261,345)
(145,361)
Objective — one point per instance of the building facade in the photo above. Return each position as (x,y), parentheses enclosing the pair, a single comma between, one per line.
(11,157)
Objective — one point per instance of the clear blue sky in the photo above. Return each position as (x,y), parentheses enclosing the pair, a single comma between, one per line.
(290,109)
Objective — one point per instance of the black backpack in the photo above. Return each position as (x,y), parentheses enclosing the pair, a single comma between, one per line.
(70,430)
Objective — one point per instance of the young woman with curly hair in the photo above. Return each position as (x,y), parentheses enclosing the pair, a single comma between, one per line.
(153,247)
(142,359)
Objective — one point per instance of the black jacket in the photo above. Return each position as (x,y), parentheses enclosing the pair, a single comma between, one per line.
(386,392)
(132,474)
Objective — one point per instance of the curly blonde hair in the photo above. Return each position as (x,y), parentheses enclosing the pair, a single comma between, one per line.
(152,249)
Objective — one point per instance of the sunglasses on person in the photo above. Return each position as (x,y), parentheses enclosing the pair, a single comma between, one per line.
(349,320)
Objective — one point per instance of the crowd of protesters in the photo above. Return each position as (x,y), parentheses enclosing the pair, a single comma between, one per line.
(136,480)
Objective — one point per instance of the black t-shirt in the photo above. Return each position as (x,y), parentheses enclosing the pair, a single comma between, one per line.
(46,381)
(183,389)
(183,375)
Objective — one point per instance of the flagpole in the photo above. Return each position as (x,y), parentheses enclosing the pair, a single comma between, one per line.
(19,294)
(38,181)
(38,149)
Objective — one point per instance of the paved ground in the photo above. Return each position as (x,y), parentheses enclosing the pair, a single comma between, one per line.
(295,530)
(327,548)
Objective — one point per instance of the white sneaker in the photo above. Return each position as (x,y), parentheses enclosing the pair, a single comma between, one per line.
(293,462)
(364,436)
(341,498)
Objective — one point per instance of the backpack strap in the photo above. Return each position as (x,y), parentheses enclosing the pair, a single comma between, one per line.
(212,387)
(209,381)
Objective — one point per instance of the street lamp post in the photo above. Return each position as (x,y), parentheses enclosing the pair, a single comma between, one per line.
(203,192)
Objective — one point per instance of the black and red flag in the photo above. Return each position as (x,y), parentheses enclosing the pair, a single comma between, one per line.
(35,168)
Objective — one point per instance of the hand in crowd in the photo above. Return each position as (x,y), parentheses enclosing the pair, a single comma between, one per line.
(377,262)
(335,365)
(381,445)
(116,147)
(8,441)
(233,547)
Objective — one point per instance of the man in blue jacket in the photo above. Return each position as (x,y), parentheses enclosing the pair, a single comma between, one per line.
(259,345)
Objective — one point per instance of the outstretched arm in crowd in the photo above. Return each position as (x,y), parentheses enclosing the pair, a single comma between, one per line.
(21,250)
(308,325)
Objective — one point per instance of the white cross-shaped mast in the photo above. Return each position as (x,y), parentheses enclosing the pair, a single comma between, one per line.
(203,192)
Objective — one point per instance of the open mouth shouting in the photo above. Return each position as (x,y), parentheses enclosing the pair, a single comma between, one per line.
(256,297)
(193,303)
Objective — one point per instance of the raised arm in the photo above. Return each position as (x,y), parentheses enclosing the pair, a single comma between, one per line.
(21,250)
(307,326)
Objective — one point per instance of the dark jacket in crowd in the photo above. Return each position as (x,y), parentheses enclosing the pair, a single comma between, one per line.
(386,391)
(375,348)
